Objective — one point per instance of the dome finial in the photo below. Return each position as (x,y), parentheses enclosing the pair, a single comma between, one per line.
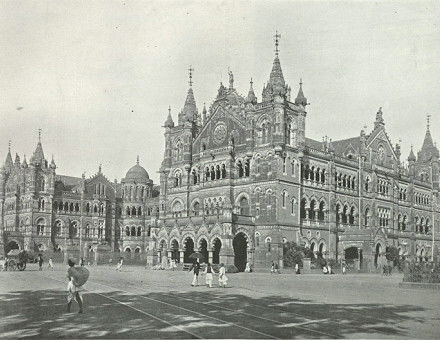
(277,42)
(137,160)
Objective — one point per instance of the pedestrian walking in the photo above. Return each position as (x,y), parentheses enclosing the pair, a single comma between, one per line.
(196,268)
(119,265)
(73,290)
(248,268)
(222,278)
(40,262)
(209,271)
(50,264)
(82,262)
(344,268)
(272,268)
(297,268)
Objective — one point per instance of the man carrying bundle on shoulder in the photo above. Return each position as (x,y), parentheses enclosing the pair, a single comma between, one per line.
(77,277)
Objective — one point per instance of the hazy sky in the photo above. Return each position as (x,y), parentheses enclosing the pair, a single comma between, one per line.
(98,77)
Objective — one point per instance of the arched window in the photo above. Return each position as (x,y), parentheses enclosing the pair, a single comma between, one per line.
(133,231)
(247,168)
(240,169)
(284,197)
(139,231)
(292,206)
(212,173)
(257,239)
(196,208)
(127,231)
(223,171)
(217,172)
(41,223)
(194,176)
(244,206)
(73,230)
(133,211)
(367,211)
(139,212)
(58,228)
(268,242)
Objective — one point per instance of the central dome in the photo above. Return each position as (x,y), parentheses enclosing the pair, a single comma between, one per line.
(137,173)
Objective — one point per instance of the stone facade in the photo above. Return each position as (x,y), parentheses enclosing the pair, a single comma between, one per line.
(236,182)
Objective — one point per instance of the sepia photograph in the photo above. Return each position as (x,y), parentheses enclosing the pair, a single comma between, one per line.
(226,169)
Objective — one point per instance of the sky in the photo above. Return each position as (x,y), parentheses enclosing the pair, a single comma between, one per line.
(98,77)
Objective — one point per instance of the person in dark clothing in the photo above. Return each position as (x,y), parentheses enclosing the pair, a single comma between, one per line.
(196,268)
(40,262)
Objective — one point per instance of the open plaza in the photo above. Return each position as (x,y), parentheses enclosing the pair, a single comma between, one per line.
(143,303)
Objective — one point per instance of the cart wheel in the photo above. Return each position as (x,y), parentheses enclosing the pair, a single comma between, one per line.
(12,265)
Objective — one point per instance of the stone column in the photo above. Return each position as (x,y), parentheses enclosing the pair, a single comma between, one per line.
(210,252)
(182,254)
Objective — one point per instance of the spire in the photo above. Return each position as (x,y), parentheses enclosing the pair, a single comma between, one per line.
(379,119)
(411,157)
(8,161)
(52,164)
(300,98)
(251,98)
(190,108)
(24,164)
(204,114)
(428,150)
(276,84)
(100,168)
(38,156)
(17,160)
(137,159)
(169,122)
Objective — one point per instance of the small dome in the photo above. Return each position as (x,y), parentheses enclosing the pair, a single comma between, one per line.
(137,174)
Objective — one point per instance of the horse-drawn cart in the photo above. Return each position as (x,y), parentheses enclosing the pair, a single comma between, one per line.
(15,259)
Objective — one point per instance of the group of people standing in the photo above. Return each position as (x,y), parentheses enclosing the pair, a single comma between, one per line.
(209,274)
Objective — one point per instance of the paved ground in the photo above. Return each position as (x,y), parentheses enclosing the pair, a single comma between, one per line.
(139,303)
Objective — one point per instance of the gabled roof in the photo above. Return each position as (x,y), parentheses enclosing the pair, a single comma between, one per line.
(314,144)
(341,146)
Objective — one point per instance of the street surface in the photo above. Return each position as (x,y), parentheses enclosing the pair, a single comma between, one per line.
(140,303)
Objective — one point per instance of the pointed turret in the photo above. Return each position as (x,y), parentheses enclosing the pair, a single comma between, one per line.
(189,112)
(38,156)
(204,113)
(17,162)
(24,164)
(169,123)
(251,98)
(379,119)
(8,161)
(300,98)
(53,166)
(411,157)
(429,150)
(276,84)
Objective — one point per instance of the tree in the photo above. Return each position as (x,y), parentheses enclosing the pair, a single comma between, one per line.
(293,254)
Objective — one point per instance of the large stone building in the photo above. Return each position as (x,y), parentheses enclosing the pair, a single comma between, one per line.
(46,212)
(237,181)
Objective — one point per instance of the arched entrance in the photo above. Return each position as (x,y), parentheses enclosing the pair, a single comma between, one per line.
(203,249)
(240,251)
(12,245)
(175,250)
(377,254)
(351,254)
(216,251)
(189,249)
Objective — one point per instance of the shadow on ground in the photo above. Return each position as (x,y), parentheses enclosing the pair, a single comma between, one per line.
(211,314)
